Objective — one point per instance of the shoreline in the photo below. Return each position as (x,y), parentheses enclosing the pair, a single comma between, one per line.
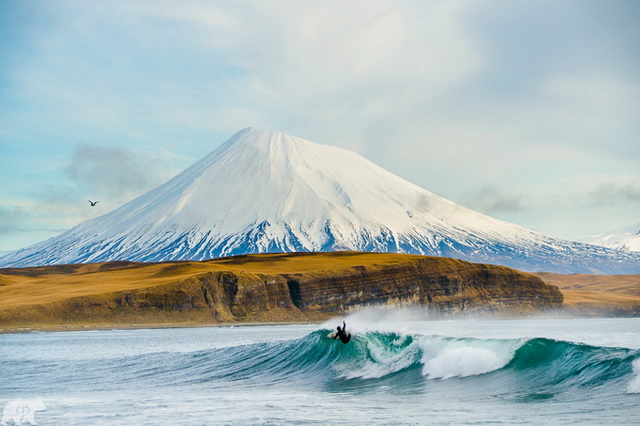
(102,327)
(568,312)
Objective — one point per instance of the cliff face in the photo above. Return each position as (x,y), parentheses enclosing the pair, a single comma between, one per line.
(287,287)
(444,285)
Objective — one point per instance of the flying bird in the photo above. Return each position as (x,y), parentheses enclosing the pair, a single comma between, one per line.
(93,203)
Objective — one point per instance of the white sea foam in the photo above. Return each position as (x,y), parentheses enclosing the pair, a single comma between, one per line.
(634,386)
(462,362)
(445,358)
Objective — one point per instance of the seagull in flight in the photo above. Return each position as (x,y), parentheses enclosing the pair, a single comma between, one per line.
(93,203)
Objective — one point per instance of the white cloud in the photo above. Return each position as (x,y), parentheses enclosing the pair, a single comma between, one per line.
(116,173)
(529,98)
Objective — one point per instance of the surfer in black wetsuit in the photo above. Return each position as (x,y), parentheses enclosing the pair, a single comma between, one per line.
(342,334)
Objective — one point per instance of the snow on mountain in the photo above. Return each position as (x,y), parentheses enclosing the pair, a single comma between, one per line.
(264,191)
(623,239)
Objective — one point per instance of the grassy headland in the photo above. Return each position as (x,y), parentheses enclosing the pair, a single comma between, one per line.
(259,288)
(611,295)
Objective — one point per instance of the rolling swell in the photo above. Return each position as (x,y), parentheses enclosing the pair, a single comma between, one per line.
(526,369)
(535,368)
(551,363)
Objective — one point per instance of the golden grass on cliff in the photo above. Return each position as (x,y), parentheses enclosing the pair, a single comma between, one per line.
(47,284)
(597,292)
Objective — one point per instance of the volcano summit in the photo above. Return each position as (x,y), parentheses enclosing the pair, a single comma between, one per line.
(264,191)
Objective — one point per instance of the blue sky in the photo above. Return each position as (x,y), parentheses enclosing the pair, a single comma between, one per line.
(524,110)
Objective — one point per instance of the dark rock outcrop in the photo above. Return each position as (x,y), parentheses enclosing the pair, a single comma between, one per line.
(242,292)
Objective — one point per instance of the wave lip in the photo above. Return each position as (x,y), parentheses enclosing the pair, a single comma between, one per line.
(377,355)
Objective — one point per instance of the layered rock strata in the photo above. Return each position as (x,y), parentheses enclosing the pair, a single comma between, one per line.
(270,287)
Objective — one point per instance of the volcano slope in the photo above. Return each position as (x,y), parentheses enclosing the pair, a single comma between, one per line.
(260,288)
(264,192)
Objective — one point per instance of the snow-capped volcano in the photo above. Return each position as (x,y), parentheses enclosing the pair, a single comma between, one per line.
(622,239)
(264,191)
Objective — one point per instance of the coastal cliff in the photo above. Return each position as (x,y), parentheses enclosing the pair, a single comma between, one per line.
(260,288)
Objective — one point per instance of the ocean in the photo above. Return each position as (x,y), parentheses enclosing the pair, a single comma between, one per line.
(397,369)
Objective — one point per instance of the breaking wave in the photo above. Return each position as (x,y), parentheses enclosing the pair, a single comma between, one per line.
(527,368)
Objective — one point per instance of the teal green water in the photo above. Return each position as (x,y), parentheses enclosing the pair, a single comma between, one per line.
(424,372)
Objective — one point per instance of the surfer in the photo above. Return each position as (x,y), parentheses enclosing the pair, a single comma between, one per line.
(342,334)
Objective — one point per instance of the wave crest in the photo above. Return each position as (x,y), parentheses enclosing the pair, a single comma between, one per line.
(404,361)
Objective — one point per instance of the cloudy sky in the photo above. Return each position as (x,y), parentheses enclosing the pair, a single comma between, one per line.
(528,111)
